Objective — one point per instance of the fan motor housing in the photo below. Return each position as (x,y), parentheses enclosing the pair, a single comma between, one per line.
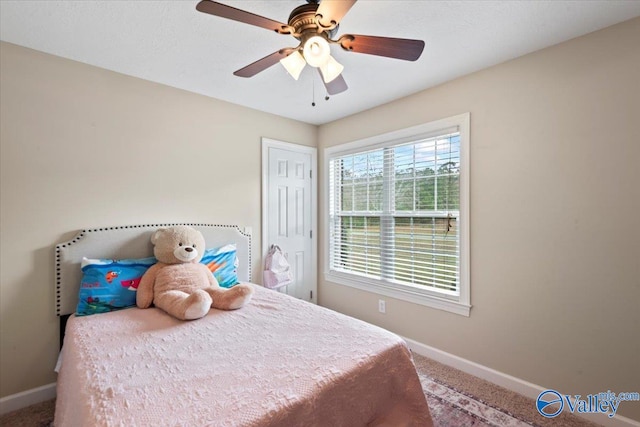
(303,20)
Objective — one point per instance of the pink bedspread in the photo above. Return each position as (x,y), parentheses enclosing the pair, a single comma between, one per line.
(276,362)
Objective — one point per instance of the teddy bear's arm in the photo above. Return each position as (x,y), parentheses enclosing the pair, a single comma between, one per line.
(144,295)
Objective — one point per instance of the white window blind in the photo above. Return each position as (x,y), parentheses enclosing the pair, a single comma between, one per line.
(394,213)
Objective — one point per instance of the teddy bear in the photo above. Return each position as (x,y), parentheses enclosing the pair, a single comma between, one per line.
(179,284)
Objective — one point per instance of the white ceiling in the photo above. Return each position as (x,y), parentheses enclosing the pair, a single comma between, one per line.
(169,42)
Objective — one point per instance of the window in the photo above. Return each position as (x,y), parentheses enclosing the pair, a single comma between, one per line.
(398,214)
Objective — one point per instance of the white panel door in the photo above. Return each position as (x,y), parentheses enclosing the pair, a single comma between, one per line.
(290,212)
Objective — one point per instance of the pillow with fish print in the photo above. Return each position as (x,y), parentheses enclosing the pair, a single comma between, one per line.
(109,284)
(223,263)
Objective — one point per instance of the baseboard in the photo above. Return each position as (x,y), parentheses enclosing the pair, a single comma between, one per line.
(507,381)
(26,398)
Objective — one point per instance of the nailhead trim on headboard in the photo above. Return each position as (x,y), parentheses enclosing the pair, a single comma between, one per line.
(82,233)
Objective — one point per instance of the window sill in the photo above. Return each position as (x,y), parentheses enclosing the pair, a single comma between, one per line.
(415,296)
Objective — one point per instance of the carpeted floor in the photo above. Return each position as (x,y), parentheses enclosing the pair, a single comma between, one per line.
(38,415)
(456,399)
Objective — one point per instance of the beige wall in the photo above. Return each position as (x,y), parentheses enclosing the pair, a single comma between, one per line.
(82,147)
(555,196)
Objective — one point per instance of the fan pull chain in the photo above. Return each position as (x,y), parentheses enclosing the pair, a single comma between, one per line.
(313,94)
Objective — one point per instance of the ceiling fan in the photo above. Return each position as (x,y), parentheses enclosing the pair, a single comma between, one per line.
(314,25)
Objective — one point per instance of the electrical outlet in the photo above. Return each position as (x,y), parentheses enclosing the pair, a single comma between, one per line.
(382,306)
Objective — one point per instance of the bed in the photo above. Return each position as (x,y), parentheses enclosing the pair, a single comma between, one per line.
(278,361)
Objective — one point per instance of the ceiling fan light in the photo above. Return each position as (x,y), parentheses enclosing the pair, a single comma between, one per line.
(331,69)
(294,64)
(316,51)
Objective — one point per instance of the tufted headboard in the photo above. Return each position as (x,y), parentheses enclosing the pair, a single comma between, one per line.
(132,241)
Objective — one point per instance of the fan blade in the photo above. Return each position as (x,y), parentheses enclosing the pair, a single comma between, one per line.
(406,49)
(224,11)
(264,63)
(333,10)
(335,86)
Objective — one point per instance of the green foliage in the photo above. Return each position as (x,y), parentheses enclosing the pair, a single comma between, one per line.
(424,190)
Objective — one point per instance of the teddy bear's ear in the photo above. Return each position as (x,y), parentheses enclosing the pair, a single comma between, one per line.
(156,235)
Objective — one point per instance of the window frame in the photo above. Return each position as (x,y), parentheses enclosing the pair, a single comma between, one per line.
(458,304)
